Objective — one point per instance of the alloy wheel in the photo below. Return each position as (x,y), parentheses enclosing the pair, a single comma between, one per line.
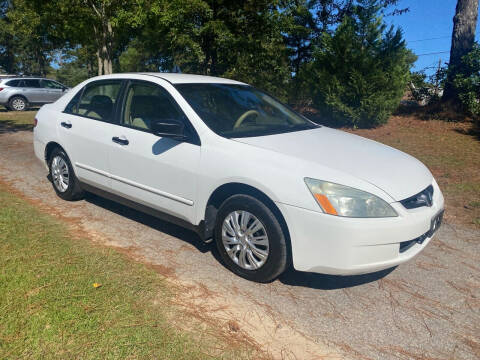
(18,104)
(60,173)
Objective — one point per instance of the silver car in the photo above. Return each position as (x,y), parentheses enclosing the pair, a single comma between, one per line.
(20,93)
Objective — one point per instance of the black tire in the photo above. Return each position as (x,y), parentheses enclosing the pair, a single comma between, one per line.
(73,190)
(18,103)
(276,262)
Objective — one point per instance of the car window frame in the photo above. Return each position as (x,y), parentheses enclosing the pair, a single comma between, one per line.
(192,138)
(115,117)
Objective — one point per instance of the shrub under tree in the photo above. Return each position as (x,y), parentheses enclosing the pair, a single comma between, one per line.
(467,82)
(359,73)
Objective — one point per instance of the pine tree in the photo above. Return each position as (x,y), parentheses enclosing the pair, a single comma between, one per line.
(359,73)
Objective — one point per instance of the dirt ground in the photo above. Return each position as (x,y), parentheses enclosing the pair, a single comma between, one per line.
(428,308)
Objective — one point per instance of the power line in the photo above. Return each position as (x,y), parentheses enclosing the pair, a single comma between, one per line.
(434,53)
(436,38)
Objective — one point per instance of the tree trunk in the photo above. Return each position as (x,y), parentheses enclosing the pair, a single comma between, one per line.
(463,38)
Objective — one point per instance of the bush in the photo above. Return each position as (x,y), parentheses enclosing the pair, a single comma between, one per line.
(425,89)
(359,73)
(467,82)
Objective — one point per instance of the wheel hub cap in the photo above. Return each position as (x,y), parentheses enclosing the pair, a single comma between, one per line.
(245,240)
(18,104)
(60,174)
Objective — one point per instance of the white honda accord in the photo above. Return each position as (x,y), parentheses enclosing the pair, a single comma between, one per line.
(225,159)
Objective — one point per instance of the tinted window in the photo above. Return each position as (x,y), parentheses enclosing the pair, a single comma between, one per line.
(49,84)
(31,83)
(98,101)
(14,83)
(145,103)
(241,111)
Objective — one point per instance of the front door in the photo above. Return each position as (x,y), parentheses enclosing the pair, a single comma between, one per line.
(158,172)
(53,90)
(85,130)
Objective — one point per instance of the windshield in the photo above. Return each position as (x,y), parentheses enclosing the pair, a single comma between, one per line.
(241,110)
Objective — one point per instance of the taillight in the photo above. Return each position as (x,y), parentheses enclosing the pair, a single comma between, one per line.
(1,89)
(35,122)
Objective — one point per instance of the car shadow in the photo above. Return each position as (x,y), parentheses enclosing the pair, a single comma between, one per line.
(10,126)
(330,282)
(162,145)
(177,231)
(290,277)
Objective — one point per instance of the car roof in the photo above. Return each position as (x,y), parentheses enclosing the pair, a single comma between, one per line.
(176,78)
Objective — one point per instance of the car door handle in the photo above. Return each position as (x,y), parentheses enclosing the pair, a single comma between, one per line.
(120,141)
(66,125)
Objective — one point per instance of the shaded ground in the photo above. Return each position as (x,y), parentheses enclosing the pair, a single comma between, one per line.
(428,308)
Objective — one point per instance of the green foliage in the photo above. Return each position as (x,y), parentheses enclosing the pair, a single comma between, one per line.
(359,73)
(467,82)
(336,52)
(427,89)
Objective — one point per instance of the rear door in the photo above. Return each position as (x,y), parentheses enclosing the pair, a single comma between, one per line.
(53,90)
(159,172)
(32,90)
(85,130)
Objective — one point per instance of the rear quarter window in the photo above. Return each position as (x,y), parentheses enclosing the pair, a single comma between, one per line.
(13,83)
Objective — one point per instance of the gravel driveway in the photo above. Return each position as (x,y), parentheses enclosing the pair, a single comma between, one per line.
(428,308)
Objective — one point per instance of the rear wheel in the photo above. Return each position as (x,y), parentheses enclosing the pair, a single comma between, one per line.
(18,103)
(63,178)
(250,239)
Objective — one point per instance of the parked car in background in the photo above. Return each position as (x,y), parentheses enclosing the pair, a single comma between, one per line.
(269,186)
(20,93)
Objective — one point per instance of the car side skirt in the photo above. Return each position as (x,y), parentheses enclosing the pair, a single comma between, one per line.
(198,229)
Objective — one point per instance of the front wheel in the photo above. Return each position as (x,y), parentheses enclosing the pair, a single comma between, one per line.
(250,239)
(64,181)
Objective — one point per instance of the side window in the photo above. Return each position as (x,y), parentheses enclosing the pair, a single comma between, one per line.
(31,83)
(145,103)
(49,84)
(72,107)
(14,83)
(98,101)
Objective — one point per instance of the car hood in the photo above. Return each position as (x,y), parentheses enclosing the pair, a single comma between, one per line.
(396,173)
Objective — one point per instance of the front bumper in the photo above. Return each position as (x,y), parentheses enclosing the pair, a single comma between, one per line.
(336,245)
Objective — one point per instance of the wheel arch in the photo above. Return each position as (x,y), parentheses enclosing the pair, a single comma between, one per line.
(49,149)
(225,191)
(20,96)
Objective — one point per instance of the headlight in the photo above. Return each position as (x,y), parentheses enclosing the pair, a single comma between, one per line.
(340,200)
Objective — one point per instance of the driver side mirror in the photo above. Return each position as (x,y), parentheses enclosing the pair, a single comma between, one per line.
(170,128)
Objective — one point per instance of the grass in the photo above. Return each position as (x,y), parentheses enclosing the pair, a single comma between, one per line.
(11,121)
(50,309)
(451,150)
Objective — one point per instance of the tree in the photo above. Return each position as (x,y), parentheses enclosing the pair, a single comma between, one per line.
(467,83)
(7,54)
(359,73)
(27,46)
(463,39)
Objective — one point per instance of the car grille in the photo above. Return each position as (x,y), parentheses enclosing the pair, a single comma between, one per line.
(423,198)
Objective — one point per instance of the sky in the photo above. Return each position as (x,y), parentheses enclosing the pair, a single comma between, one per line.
(427,19)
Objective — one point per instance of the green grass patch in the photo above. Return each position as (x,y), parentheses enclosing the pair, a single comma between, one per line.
(49,308)
(16,120)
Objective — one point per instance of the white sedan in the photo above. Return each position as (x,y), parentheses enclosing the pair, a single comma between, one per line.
(225,159)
